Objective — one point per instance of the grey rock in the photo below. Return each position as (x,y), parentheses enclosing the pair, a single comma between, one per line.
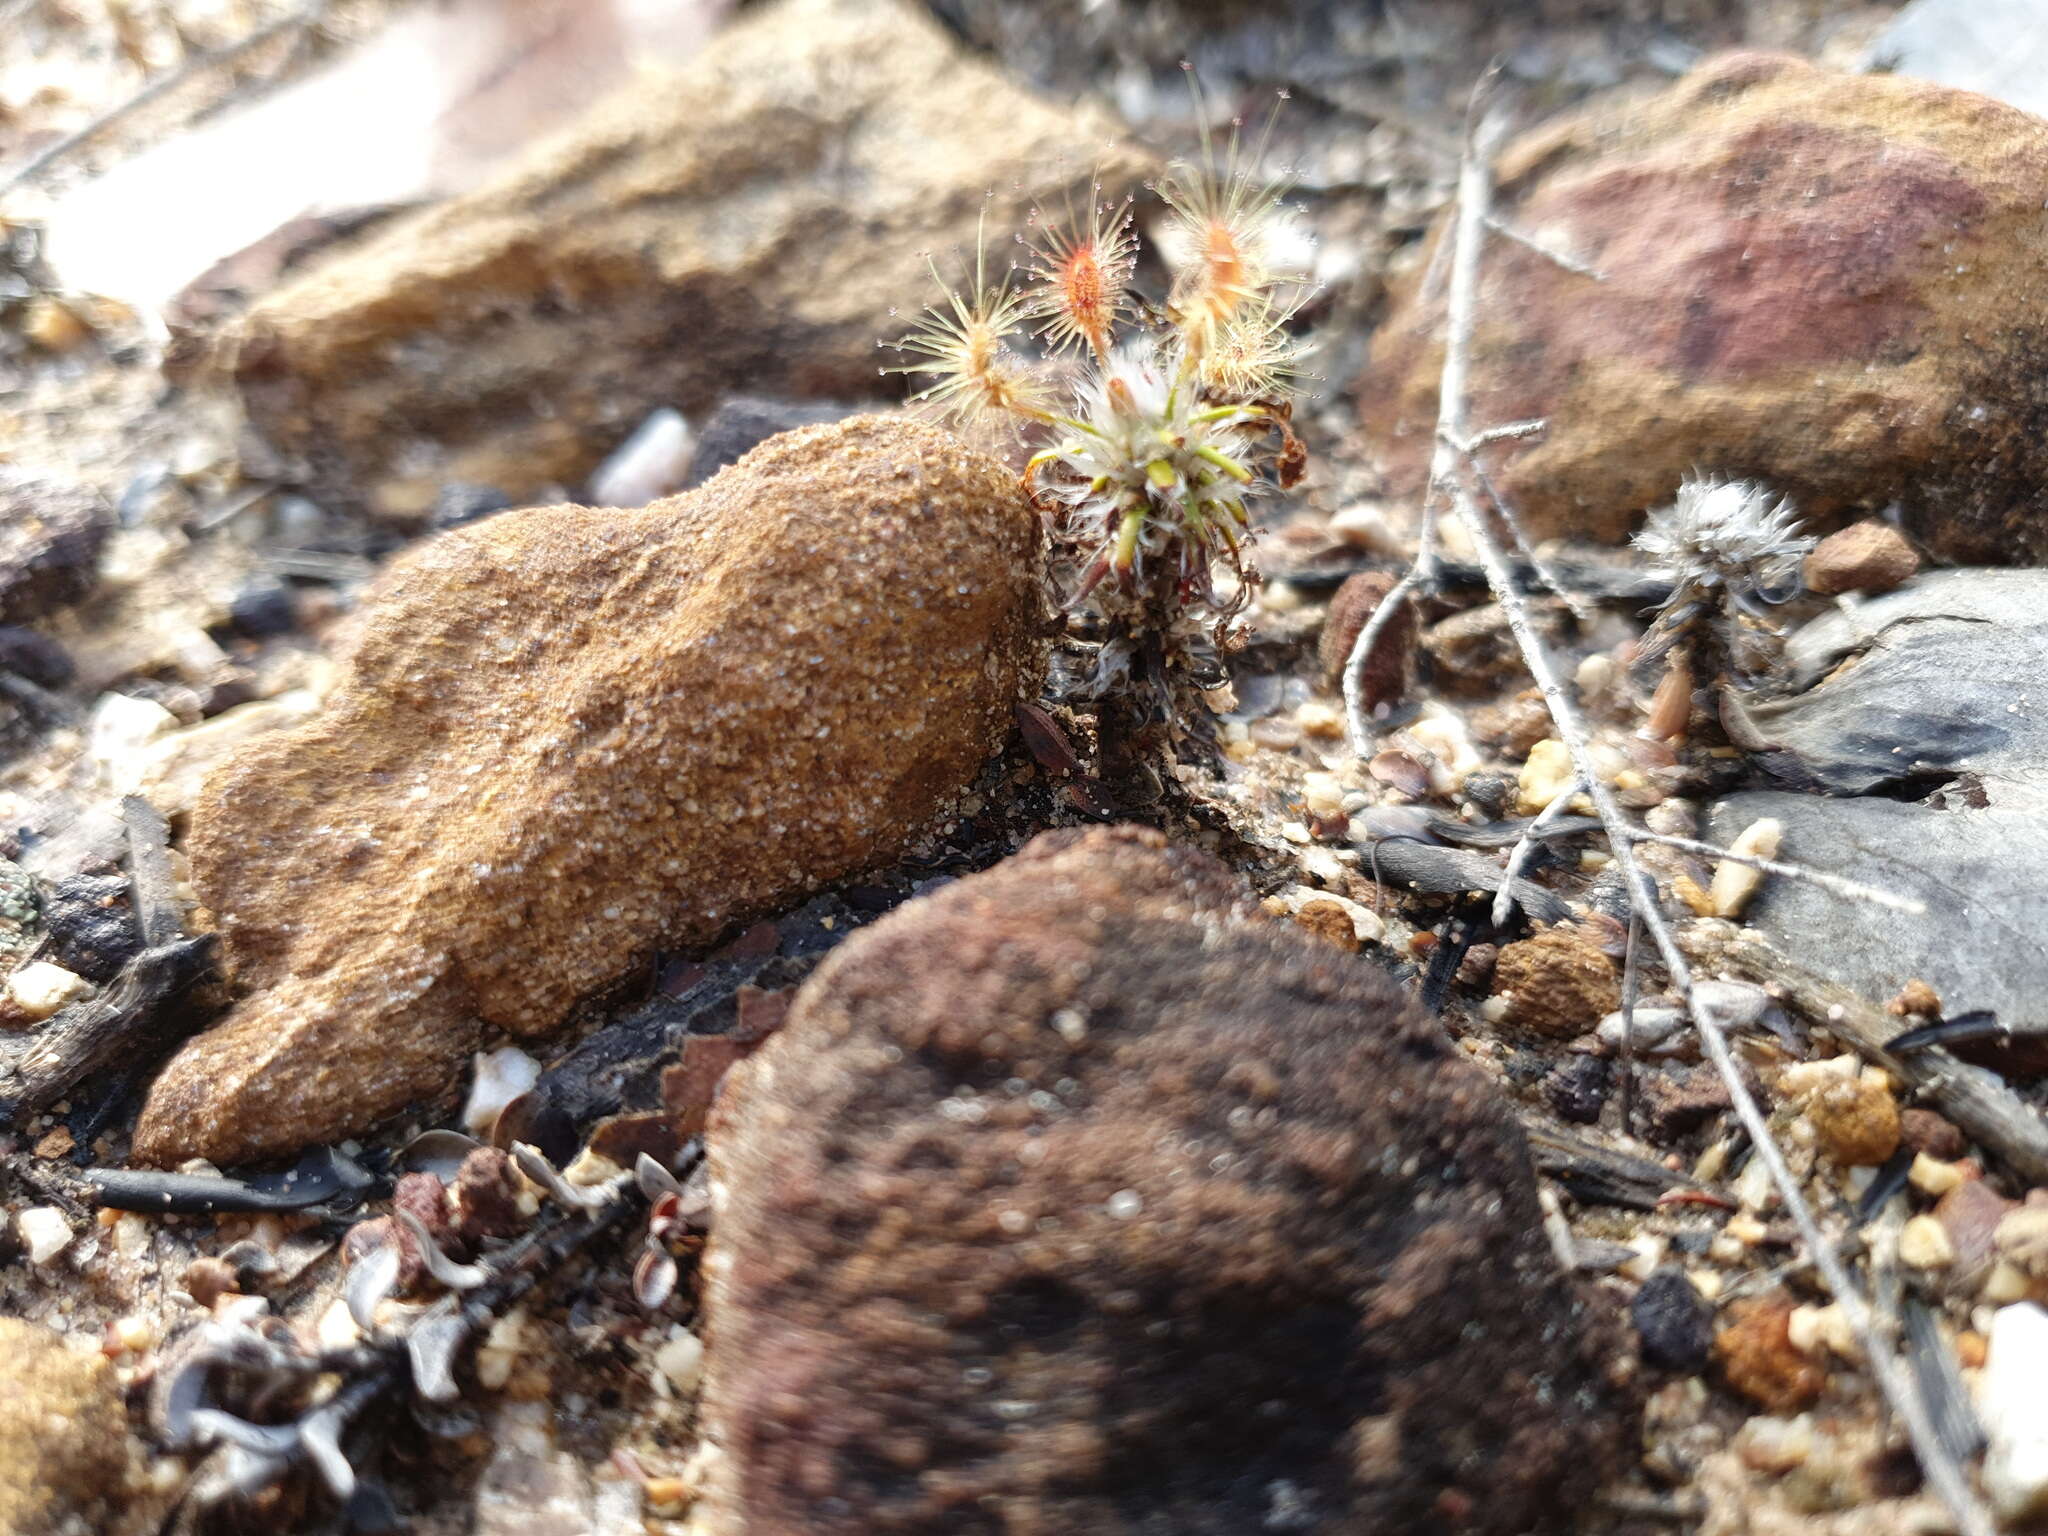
(1949,674)
(745,422)
(1944,691)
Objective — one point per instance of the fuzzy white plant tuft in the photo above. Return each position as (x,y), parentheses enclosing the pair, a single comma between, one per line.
(1721,536)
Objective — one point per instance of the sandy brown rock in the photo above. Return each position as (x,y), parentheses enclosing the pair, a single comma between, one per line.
(751,224)
(1869,556)
(1755,1350)
(1856,1121)
(1558,983)
(568,735)
(65,1454)
(1828,281)
(1072,1199)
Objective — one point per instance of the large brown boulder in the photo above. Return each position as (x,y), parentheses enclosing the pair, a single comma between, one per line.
(1074,1198)
(1831,282)
(753,223)
(569,735)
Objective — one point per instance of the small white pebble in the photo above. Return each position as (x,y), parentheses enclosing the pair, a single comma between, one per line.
(1364,525)
(681,1359)
(1495,1009)
(1924,1244)
(2014,1411)
(591,1169)
(501,1076)
(1322,794)
(45,1232)
(1803,1330)
(1319,719)
(134,1334)
(337,1328)
(1595,675)
(1125,1204)
(41,987)
(1734,883)
(1745,1229)
(131,1235)
(2006,1283)
(1070,1024)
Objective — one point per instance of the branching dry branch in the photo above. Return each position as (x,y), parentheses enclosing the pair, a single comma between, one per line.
(1454,475)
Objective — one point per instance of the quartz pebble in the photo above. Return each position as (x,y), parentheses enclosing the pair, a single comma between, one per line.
(2014,1411)
(1735,883)
(40,988)
(45,1232)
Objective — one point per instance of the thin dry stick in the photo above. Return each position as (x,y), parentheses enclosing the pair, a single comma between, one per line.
(1942,1471)
(1504,899)
(1840,884)
(1545,249)
(1631,984)
(197,64)
(1581,609)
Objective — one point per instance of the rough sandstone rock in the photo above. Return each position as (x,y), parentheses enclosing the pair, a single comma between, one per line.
(1558,983)
(65,1453)
(571,735)
(1869,556)
(753,222)
(1828,281)
(1073,1198)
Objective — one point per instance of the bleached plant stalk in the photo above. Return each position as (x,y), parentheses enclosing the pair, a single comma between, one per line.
(1854,889)
(1452,473)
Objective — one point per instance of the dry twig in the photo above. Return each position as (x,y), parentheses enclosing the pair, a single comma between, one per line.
(198,64)
(1454,475)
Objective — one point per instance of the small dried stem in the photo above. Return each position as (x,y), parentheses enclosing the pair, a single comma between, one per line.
(1854,889)
(1514,431)
(1519,537)
(1631,985)
(1574,264)
(1504,899)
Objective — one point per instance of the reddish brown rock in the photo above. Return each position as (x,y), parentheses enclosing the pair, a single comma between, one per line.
(1558,983)
(1755,1350)
(1071,1198)
(1393,658)
(1827,281)
(752,223)
(1864,557)
(568,736)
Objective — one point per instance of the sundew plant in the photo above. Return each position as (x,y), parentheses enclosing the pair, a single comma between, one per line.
(1150,425)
